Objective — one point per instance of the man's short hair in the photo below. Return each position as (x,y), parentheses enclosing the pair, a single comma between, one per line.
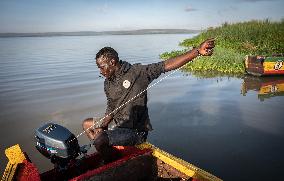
(107,53)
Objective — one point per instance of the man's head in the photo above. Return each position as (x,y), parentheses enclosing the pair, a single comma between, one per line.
(107,61)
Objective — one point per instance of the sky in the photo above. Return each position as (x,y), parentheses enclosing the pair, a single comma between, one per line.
(23,16)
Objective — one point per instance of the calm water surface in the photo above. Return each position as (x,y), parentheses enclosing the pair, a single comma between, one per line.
(230,127)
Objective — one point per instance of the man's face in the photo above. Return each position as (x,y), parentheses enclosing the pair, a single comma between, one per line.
(107,67)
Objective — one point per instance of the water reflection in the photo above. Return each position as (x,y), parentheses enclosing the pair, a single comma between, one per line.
(266,87)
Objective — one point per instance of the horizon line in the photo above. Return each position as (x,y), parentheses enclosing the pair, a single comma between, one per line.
(94,31)
(101,33)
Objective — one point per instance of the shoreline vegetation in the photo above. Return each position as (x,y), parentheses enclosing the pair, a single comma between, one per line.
(99,33)
(232,43)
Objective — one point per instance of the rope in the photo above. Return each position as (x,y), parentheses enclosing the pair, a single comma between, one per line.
(101,120)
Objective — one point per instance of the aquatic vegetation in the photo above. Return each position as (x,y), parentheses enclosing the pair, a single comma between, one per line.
(233,42)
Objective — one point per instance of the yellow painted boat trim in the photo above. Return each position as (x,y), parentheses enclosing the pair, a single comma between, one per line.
(179,164)
(269,66)
(15,157)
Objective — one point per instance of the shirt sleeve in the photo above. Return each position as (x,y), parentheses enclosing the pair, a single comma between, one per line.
(153,71)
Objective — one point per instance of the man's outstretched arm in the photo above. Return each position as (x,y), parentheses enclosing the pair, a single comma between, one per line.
(204,49)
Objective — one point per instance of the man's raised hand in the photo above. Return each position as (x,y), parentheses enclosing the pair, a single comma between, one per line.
(206,48)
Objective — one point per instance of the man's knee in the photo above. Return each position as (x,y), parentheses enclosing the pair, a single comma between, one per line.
(87,123)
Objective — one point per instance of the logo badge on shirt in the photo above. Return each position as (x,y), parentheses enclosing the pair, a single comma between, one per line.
(126,84)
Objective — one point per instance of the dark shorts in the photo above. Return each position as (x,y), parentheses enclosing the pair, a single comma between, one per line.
(126,137)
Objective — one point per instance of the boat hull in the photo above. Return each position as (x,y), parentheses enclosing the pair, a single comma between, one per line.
(142,162)
(260,65)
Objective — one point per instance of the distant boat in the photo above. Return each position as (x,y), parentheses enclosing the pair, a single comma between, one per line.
(143,162)
(261,65)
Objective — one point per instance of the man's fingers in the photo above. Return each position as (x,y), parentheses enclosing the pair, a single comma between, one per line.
(211,41)
(208,43)
(210,46)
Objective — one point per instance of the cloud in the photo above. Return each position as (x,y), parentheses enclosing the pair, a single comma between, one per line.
(190,9)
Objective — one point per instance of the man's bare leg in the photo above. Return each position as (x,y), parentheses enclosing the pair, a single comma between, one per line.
(101,141)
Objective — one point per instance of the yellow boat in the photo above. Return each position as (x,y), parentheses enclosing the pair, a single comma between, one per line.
(71,162)
(143,162)
(261,65)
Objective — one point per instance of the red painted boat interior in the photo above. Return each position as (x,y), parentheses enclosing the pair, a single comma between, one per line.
(87,167)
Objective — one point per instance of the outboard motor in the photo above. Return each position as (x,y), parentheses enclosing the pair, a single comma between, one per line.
(58,144)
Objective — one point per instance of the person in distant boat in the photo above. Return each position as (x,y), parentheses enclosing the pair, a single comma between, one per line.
(126,120)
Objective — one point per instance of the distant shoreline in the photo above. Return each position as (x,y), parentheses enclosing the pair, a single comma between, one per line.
(97,33)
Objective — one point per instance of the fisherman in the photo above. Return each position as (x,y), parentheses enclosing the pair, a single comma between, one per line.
(126,120)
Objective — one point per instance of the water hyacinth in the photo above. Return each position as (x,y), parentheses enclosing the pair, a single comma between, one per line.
(233,42)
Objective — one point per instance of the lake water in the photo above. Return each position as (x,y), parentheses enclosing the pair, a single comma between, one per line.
(230,127)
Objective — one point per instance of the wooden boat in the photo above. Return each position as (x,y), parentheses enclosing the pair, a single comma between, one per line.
(266,87)
(143,162)
(260,65)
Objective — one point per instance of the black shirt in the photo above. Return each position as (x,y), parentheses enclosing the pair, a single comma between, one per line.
(128,82)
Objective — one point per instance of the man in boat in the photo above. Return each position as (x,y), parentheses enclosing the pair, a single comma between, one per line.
(126,120)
